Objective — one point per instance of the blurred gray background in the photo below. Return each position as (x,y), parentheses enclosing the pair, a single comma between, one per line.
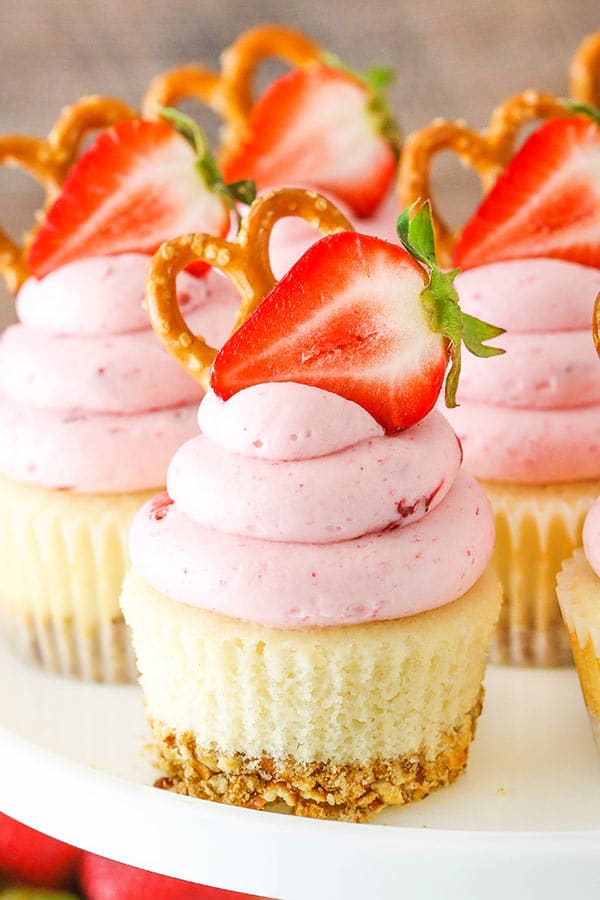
(454,58)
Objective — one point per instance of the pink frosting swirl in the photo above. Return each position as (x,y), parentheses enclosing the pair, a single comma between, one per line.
(533,414)
(307,514)
(89,400)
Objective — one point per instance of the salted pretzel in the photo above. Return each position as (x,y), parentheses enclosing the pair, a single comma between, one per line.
(48,160)
(584,72)
(241,59)
(230,92)
(487,152)
(245,261)
(183,83)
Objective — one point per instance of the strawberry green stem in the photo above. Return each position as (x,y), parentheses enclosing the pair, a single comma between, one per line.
(440,299)
(206,164)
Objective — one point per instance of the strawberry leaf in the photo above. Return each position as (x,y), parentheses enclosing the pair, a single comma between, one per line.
(582,109)
(244,191)
(440,299)
(415,230)
(206,164)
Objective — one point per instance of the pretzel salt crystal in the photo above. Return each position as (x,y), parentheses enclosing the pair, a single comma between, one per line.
(245,262)
(487,152)
(49,160)
(584,72)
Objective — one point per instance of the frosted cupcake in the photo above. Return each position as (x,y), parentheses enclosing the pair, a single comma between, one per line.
(309,601)
(529,422)
(91,409)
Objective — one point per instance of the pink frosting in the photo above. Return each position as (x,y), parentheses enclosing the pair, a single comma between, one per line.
(533,414)
(591,537)
(89,400)
(354,528)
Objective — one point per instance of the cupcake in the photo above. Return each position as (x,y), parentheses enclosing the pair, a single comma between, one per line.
(310,600)
(578,589)
(529,421)
(320,126)
(91,409)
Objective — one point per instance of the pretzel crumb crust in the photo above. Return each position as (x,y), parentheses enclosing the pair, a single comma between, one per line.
(350,792)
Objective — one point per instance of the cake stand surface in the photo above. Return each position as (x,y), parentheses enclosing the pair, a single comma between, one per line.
(523,822)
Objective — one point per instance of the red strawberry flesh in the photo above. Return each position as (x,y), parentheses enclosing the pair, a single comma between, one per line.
(29,856)
(103,879)
(545,204)
(313,127)
(347,318)
(135,187)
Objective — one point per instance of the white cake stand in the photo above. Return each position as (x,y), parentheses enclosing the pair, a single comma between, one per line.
(522,824)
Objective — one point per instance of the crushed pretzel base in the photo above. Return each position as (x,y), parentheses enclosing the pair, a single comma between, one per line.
(350,792)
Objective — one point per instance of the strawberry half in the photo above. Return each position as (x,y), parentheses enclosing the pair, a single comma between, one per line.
(320,126)
(362,318)
(139,184)
(31,857)
(546,202)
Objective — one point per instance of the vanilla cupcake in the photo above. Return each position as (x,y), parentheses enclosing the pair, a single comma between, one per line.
(578,588)
(91,408)
(310,603)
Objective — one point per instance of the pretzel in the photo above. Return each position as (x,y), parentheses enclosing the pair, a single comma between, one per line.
(49,160)
(584,72)
(245,262)
(596,324)
(192,81)
(241,59)
(230,93)
(487,152)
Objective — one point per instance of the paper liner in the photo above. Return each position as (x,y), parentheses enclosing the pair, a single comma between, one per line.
(62,561)
(578,589)
(337,696)
(537,527)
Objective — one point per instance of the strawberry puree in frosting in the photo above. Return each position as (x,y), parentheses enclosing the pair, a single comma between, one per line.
(89,400)
(533,414)
(358,526)
(591,537)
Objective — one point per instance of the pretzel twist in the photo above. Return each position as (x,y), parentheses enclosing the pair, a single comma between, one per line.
(244,261)
(584,72)
(487,152)
(48,161)
(187,82)
(241,59)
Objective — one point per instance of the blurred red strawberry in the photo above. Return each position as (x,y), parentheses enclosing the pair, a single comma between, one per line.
(29,856)
(103,879)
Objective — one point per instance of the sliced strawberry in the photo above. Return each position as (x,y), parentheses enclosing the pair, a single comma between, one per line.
(362,318)
(31,857)
(546,202)
(347,318)
(103,879)
(138,185)
(323,127)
